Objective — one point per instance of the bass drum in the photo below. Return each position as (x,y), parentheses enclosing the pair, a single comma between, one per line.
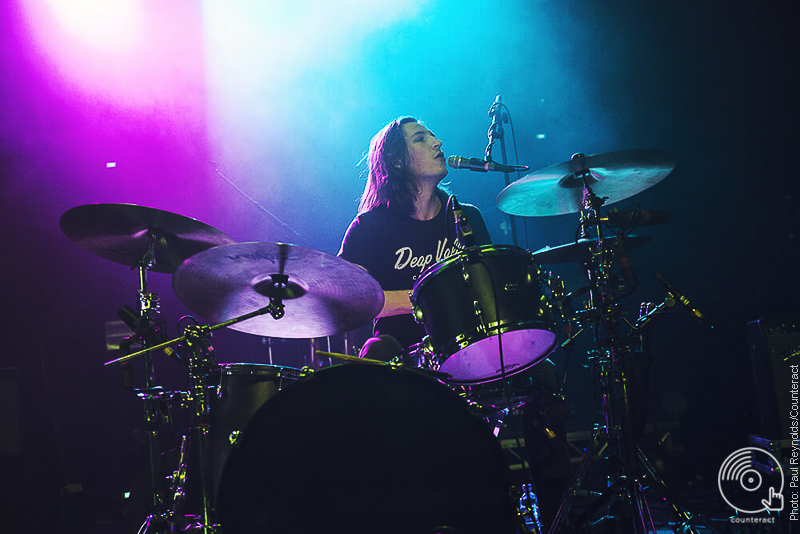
(360,448)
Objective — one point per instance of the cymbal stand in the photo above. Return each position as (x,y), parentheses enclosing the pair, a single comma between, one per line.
(148,304)
(624,498)
(201,363)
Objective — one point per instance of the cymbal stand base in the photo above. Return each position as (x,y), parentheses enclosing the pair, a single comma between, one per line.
(623,507)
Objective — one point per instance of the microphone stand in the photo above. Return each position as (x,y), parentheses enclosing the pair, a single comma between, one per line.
(497,133)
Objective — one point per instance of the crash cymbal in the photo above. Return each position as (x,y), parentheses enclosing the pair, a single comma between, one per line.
(124,232)
(581,251)
(558,189)
(323,294)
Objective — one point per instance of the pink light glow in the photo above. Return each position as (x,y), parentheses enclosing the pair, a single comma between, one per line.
(112,26)
(116,98)
(134,52)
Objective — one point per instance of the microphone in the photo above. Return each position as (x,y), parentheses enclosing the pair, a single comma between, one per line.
(679,297)
(481,165)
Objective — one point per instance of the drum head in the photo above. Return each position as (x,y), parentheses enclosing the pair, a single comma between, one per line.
(490,358)
(364,449)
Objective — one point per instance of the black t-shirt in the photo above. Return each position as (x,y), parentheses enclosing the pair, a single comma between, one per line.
(396,249)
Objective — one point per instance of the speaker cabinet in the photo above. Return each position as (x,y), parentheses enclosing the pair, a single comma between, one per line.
(775,352)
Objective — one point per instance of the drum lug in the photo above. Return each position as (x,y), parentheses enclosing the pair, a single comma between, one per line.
(465,273)
(235,438)
(427,346)
(479,315)
(416,312)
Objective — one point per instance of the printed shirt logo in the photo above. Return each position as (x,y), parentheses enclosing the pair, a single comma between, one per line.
(406,257)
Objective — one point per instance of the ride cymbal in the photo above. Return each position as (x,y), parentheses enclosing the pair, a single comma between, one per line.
(323,294)
(124,233)
(558,189)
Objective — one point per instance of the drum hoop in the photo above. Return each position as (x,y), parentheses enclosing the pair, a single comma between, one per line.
(498,376)
(484,251)
(260,370)
(464,340)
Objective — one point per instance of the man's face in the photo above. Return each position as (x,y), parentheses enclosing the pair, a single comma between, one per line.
(425,157)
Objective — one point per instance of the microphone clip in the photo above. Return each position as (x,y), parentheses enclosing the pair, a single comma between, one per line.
(464,232)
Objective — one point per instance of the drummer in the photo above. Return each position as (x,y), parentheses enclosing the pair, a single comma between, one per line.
(403,227)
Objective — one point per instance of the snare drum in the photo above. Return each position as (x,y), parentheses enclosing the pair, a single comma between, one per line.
(485,313)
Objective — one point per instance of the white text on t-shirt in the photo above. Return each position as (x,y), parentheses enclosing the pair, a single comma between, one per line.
(406,258)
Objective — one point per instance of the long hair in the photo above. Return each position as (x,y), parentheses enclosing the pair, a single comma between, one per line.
(388,181)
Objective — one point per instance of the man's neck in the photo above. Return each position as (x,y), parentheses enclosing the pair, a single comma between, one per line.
(427,204)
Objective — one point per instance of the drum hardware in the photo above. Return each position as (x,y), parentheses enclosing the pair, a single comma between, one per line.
(566,188)
(200,363)
(274,308)
(464,233)
(335,296)
(177,479)
(145,239)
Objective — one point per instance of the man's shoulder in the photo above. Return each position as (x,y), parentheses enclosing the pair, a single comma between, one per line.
(379,215)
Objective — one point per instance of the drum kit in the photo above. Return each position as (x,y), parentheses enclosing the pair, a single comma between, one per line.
(285,449)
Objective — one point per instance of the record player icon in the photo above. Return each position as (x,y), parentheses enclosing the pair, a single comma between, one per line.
(751,481)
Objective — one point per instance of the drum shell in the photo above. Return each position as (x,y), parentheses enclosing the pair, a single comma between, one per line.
(361,448)
(241,389)
(505,283)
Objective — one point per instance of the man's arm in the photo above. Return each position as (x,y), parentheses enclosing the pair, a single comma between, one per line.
(395,303)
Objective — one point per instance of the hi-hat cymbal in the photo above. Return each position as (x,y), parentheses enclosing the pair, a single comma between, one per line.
(124,233)
(558,189)
(323,294)
(581,250)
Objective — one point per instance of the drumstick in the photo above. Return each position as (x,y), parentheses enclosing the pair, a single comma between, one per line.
(347,357)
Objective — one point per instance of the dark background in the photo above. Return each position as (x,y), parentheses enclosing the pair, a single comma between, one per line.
(712,83)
